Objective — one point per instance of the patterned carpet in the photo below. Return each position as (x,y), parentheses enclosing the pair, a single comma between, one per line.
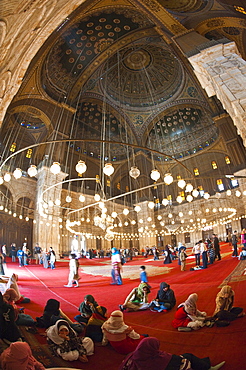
(129,271)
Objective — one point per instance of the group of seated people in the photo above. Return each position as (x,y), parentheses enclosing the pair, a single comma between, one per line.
(75,340)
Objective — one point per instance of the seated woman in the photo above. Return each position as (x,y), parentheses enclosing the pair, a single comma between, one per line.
(148,355)
(165,299)
(188,316)
(52,313)
(94,325)
(137,299)
(10,297)
(9,331)
(121,336)
(64,342)
(224,305)
(19,356)
(86,309)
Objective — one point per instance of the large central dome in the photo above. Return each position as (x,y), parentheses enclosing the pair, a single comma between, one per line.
(141,76)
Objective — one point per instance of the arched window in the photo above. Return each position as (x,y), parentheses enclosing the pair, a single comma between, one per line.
(196,171)
(214,165)
(220,185)
(29,153)
(13,147)
(227,159)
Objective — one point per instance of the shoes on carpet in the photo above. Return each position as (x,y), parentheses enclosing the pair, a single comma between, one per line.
(184,328)
(68,286)
(121,307)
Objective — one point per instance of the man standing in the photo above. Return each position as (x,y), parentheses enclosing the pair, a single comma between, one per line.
(234,244)
(116,267)
(216,247)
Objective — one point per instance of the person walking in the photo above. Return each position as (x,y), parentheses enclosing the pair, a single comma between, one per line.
(234,244)
(73,276)
(216,247)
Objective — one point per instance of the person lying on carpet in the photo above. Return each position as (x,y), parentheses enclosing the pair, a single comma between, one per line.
(137,299)
(86,309)
(148,355)
(52,313)
(64,342)
(188,316)
(94,325)
(121,336)
(10,296)
(224,305)
(165,299)
(9,331)
(19,356)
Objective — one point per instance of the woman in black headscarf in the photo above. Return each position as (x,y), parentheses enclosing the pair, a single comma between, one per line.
(9,331)
(53,313)
(165,299)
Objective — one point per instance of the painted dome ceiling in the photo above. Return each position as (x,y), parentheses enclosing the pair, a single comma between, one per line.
(83,42)
(122,77)
(141,76)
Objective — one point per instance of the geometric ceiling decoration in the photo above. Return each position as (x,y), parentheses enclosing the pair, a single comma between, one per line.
(79,45)
(183,132)
(142,75)
(91,122)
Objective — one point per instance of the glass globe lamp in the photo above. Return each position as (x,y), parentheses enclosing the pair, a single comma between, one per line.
(108,169)
(81,167)
(155,175)
(125,211)
(55,168)
(32,170)
(134,172)
(168,179)
(181,183)
(17,173)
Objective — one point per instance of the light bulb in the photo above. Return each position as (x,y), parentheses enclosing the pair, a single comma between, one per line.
(125,211)
(206,195)
(168,179)
(155,175)
(137,209)
(55,168)
(81,167)
(181,183)
(189,198)
(165,201)
(189,188)
(114,214)
(195,193)
(97,197)
(17,173)
(151,205)
(81,198)
(134,172)
(179,199)
(108,169)
(68,199)
(32,170)
(7,177)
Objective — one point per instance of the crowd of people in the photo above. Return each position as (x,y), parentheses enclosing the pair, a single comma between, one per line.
(74,340)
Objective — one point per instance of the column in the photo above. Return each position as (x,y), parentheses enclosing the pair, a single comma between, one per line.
(46,230)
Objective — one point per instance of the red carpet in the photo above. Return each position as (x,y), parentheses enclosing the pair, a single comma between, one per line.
(219,344)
